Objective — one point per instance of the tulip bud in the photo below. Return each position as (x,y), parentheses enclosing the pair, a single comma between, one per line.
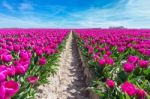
(110,83)
(129,88)
(128,67)
(33,80)
(102,62)
(7,58)
(20,70)
(42,61)
(143,63)
(141,94)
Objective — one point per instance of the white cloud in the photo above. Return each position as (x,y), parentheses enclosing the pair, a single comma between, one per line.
(131,14)
(14,22)
(7,6)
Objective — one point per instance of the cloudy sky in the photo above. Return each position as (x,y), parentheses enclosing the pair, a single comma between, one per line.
(74,13)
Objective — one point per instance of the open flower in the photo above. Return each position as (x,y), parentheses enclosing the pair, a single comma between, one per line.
(11,88)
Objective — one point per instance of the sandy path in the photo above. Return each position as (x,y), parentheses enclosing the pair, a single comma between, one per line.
(68,83)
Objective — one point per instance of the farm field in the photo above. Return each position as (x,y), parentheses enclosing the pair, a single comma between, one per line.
(74,64)
(118,61)
(74,49)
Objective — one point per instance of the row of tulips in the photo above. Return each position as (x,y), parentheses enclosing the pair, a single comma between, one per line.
(27,58)
(120,61)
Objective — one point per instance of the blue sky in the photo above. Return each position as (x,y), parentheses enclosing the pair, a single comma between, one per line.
(74,13)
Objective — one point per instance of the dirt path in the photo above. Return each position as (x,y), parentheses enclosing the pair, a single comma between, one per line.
(68,83)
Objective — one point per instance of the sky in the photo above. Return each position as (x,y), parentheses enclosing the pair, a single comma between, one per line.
(74,13)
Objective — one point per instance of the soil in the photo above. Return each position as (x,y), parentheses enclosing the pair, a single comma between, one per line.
(69,82)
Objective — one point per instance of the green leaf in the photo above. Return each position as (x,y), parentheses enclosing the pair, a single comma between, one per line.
(127,97)
(122,76)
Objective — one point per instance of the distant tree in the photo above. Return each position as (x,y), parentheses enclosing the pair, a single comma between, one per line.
(118,27)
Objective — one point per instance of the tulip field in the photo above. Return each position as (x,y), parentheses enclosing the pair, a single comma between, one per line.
(28,57)
(118,58)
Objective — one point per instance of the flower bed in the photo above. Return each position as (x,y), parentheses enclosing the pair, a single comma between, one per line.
(28,58)
(119,61)
(88,73)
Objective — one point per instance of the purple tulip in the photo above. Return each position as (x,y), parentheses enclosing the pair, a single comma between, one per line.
(141,50)
(141,94)
(23,55)
(96,57)
(16,48)
(11,71)
(106,48)
(109,61)
(129,88)
(133,59)
(102,62)
(143,63)
(4,52)
(11,88)
(2,92)
(2,77)
(121,49)
(147,52)
(2,40)
(101,49)
(108,53)
(29,54)
(42,61)
(128,67)
(10,48)
(7,58)
(20,70)
(105,56)
(3,67)
(39,52)
(33,79)
(91,50)
(110,83)
(129,45)
(3,73)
